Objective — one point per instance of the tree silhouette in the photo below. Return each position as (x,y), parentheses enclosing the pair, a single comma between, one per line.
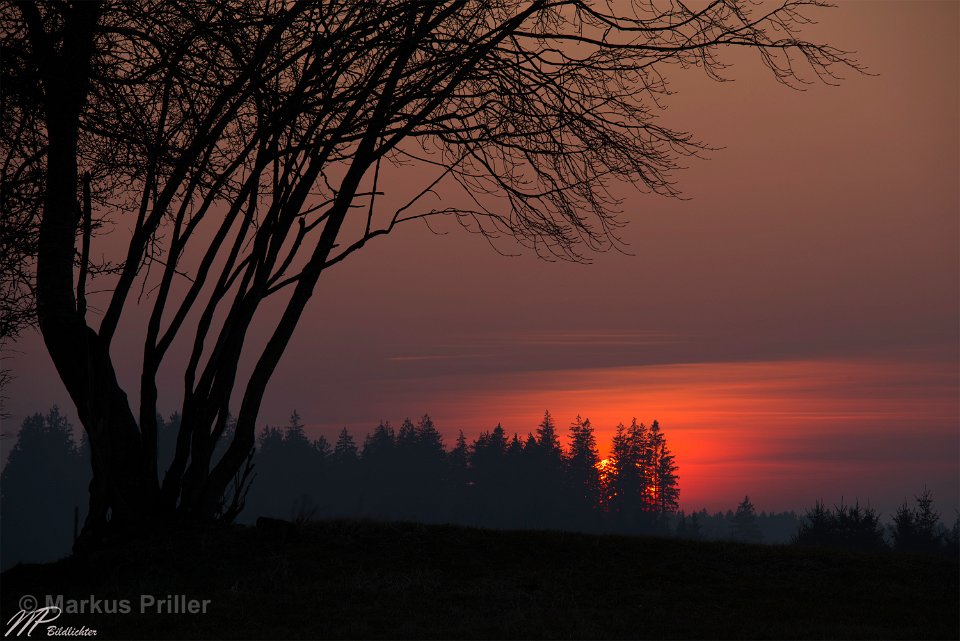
(425,468)
(379,445)
(493,482)
(322,446)
(407,435)
(622,483)
(918,530)
(346,497)
(345,449)
(544,476)
(459,477)
(688,527)
(488,473)
(638,442)
(666,490)
(380,472)
(844,527)
(289,470)
(693,527)
(547,439)
(42,486)
(239,148)
(744,523)
(952,538)
(641,485)
(295,431)
(582,466)
(459,454)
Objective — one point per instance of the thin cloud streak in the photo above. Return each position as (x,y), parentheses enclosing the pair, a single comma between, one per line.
(434,357)
(588,338)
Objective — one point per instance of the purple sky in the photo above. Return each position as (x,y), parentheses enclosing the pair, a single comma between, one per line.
(793,324)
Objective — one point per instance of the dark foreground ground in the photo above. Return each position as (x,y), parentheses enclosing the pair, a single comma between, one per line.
(375,580)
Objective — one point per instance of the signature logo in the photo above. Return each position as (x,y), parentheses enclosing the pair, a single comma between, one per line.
(30,616)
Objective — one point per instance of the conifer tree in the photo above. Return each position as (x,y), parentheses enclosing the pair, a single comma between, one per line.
(694,529)
(650,463)
(42,484)
(817,527)
(295,431)
(458,476)
(624,485)
(498,440)
(582,462)
(638,441)
(846,527)
(530,444)
(379,445)
(515,448)
(488,471)
(745,525)
(345,449)
(666,488)
(269,438)
(428,438)
(460,453)
(547,437)
(322,446)
(951,540)
(917,530)
(407,435)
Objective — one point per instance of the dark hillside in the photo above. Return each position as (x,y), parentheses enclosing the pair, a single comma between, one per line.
(349,579)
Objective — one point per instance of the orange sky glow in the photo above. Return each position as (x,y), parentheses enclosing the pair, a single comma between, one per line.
(785,432)
(793,323)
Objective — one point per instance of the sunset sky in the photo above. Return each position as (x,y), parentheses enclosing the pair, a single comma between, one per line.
(792,323)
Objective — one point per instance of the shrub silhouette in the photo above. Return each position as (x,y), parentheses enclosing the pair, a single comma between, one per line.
(845,527)
(918,530)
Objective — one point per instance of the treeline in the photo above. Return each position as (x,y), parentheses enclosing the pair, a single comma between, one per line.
(43,490)
(744,524)
(404,473)
(913,529)
(498,480)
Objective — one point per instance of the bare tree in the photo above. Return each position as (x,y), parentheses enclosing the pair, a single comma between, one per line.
(240,147)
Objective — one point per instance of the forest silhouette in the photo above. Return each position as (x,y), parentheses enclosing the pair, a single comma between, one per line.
(233,153)
(176,180)
(499,480)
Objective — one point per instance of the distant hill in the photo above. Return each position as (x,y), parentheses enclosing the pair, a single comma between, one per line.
(357,579)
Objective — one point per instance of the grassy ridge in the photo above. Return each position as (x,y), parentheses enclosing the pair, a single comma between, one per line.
(349,579)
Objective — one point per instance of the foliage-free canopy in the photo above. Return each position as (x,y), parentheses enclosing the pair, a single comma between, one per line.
(236,150)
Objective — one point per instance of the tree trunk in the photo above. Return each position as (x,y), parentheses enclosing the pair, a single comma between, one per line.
(121,495)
